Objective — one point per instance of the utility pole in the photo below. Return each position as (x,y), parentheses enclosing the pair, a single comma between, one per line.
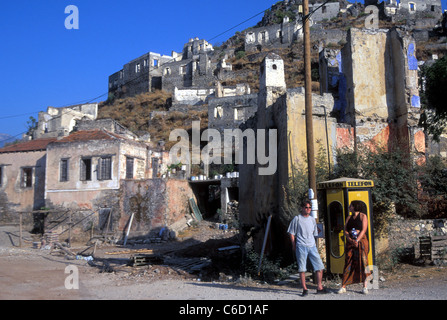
(308,105)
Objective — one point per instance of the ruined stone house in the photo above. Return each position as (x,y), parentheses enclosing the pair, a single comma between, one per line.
(277,35)
(418,8)
(57,122)
(380,107)
(99,176)
(22,177)
(190,68)
(280,109)
(143,74)
(195,69)
(420,14)
(92,169)
(90,165)
(230,112)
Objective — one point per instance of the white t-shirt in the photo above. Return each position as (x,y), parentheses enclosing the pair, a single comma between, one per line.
(304,229)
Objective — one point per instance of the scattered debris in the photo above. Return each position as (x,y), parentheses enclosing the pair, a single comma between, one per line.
(434,249)
(439,250)
(143,260)
(86,258)
(229,248)
(191,265)
(60,246)
(149,251)
(195,210)
(48,239)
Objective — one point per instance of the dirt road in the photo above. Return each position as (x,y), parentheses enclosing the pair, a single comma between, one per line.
(33,274)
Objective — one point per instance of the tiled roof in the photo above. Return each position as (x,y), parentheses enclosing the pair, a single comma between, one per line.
(88,135)
(32,145)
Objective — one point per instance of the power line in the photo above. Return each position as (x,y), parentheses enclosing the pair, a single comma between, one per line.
(140,76)
(129,81)
(144,74)
(238,25)
(16,115)
(21,133)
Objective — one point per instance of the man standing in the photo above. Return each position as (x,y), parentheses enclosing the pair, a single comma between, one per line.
(303,230)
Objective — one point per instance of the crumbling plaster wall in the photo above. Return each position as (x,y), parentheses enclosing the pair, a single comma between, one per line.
(193,96)
(367,91)
(293,111)
(290,118)
(230,112)
(382,95)
(16,197)
(284,110)
(156,204)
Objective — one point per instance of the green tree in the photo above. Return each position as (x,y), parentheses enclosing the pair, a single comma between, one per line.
(434,117)
(393,173)
(31,125)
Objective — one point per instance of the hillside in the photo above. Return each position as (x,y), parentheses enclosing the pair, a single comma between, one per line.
(149,112)
(5,138)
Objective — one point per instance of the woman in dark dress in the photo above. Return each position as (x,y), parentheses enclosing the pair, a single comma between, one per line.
(357,248)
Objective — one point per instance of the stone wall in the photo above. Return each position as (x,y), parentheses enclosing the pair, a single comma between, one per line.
(56,122)
(197,72)
(193,96)
(325,12)
(156,204)
(401,240)
(277,35)
(142,74)
(107,124)
(15,195)
(230,112)
(381,92)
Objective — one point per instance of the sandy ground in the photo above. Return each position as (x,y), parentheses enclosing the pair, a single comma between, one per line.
(34,274)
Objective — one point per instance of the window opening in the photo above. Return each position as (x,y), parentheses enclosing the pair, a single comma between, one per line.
(129,167)
(27,177)
(86,169)
(64,170)
(105,168)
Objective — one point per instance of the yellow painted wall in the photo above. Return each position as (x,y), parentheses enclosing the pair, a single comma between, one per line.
(369,79)
(296,128)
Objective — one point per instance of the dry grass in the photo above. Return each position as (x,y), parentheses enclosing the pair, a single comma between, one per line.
(135,114)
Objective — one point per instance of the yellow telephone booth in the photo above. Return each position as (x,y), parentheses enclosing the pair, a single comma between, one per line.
(337,195)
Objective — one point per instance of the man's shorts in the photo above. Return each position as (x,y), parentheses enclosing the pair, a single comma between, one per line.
(302,253)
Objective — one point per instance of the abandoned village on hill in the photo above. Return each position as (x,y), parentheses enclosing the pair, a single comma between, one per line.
(102,172)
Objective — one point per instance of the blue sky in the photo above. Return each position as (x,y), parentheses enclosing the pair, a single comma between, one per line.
(44,64)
